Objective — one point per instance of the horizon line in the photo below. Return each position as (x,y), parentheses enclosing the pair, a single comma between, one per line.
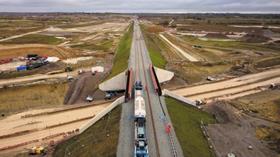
(120,12)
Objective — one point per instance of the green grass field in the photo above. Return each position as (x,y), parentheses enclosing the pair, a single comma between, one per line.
(229,44)
(100,140)
(122,54)
(24,98)
(186,122)
(154,46)
(34,39)
(104,46)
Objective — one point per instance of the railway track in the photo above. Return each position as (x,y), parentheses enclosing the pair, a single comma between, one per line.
(160,142)
(150,108)
(140,55)
(139,60)
(165,122)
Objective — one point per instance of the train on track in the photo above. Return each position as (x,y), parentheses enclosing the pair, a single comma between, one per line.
(141,145)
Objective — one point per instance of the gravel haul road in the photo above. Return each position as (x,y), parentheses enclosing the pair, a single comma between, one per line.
(231,88)
(39,124)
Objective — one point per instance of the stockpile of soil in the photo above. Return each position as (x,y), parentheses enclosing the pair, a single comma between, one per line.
(255,38)
(277,42)
(216,35)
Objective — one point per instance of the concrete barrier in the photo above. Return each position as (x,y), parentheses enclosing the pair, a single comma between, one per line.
(101,114)
(178,97)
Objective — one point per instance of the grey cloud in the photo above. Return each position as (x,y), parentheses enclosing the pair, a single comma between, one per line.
(141,5)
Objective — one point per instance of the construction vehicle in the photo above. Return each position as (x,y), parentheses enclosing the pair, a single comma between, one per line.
(108,96)
(200,102)
(36,63)
(32,56)
(141,145)
(68,68)
(70,78)
(139,102)
(274,86)
(37,150)
(197,46)
(209,78)
(89,98)
(81,71)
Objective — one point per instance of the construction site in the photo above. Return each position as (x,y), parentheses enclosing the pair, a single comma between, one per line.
(208,85)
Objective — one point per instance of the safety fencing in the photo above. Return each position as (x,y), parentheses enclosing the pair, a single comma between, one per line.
(179,97)
(101,114)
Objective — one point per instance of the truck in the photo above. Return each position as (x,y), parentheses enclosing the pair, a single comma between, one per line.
(141,149)
(108,96)
(141,145)
(139,102)
(33,64)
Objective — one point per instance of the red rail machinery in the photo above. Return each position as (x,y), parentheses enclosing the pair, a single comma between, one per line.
(155,80)
(129,84)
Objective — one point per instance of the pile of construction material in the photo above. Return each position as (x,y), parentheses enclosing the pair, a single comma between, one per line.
(31,61)
(34,61)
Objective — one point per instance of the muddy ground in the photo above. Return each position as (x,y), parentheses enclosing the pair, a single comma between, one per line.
(86,84)
(175,82)
(235,132)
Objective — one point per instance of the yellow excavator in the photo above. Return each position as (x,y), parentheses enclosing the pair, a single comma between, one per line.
(37,150)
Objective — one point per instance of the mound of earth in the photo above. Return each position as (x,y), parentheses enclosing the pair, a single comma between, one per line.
(216,35)
(255,38)
(277,42)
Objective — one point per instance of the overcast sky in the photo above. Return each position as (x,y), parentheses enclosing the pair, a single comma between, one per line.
(245,6)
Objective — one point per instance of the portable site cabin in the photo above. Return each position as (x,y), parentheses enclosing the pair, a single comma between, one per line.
(97,69)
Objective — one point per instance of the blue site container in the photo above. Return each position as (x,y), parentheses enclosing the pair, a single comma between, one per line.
(22,68)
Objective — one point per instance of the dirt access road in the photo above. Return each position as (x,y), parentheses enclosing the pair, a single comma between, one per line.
(21,35)
(178,49)
(37,78)
(231,88)
(39,124)
(84,86)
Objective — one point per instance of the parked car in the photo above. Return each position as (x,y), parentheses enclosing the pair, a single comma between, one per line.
(89,98)
(108,96)
(70,78)
(81,71)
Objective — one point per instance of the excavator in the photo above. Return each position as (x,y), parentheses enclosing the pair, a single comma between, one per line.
(37,150)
